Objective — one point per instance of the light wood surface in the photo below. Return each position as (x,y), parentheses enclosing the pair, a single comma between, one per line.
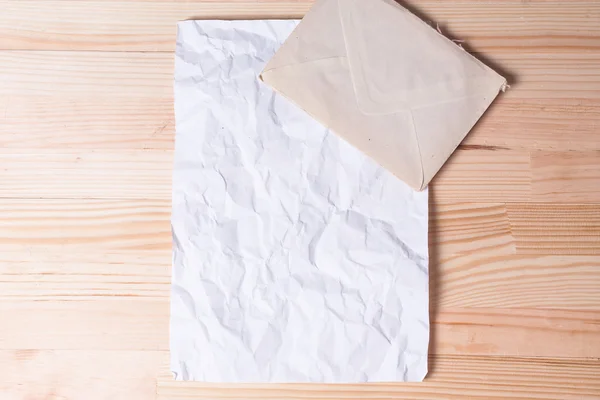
(86,139)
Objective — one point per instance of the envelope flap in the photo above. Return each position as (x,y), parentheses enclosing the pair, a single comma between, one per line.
(306,43)
(399,62)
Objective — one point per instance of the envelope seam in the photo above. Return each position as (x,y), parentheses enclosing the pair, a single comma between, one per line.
(414,126)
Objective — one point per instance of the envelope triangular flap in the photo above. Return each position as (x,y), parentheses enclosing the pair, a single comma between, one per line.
(316,37)
(398,62)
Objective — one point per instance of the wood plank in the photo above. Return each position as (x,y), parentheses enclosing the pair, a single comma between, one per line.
(469,227)
(117,323)
(556,228)
(84,275)
(515,332)
(484,279)
(538,124)
(94,375)
(86,74)
(122,26)
(86,123)
(540,75)
(483,175)
(150,25)
(549,75)
(80,226)
(125,175)
(450,377)
(566,177)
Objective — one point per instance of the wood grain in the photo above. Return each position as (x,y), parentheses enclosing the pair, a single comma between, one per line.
(80,226)
(557,124)
(64,374)
(516,332)
(112,25)
(513,26)
(86,123)
(556,228)
(67,73)
(549,75)
(450,377)
(485,279)
(89,274)
(565,177)
(90,174)
(127,322)
(458,228)
(498,175)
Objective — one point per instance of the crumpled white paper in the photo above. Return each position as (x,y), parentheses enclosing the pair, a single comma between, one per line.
(296,257)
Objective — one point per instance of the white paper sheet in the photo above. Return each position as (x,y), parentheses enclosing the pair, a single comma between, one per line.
(296,257)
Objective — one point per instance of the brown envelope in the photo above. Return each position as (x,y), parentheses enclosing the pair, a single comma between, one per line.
(385,81)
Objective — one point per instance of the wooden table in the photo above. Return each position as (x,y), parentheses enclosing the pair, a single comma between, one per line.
(86,139)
